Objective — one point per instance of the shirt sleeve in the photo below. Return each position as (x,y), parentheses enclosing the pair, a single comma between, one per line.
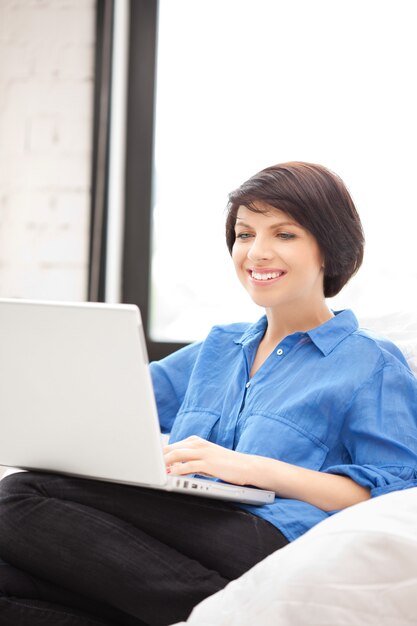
(170,377)
(379,433)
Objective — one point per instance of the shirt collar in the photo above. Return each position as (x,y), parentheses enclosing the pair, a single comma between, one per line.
(325,337)
(328,335)
(253,331)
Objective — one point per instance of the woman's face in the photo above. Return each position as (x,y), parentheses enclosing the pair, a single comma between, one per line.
(277,261)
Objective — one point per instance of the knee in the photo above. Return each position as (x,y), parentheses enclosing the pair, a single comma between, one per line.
(19,497)
(14,483)
(16,492)
(21,483)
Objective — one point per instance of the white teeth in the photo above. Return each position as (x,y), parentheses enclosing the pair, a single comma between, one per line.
(266,276)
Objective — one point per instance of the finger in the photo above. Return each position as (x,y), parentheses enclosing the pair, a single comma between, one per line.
(190,467)
(189,442)
(180,456)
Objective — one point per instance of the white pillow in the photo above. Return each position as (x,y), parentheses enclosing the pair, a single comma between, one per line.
(356,568)
(399,327)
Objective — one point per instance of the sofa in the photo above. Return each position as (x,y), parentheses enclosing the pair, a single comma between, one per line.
(356,568)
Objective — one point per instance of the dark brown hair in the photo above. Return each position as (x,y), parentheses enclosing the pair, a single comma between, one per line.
(318,200)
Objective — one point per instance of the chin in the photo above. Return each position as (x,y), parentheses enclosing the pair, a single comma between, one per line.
(265,303)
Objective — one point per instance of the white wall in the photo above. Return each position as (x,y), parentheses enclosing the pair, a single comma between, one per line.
(46,100)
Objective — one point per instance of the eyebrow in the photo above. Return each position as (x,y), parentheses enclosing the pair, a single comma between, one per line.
(241,223)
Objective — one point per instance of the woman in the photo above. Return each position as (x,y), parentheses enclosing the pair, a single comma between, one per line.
(302,403)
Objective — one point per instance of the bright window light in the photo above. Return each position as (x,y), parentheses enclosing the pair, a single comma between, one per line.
(242,85)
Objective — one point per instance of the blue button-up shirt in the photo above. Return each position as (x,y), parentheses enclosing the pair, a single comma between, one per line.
(335,399)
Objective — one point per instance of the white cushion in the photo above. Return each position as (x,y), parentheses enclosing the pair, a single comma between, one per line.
(399,327)
(357,568)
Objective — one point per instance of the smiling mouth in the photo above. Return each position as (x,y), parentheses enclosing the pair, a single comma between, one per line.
(265,276)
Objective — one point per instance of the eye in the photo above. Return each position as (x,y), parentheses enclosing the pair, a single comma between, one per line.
(243,236)
(286,236)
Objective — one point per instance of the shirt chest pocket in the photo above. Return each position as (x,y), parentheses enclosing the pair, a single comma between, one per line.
(279,438)
(194,422)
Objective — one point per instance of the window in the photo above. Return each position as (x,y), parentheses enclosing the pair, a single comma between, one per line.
(243,84)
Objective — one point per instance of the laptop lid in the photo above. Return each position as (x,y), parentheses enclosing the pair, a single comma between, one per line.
(74,379)
(76,398)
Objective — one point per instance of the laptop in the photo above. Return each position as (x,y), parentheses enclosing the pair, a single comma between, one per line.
(76,398)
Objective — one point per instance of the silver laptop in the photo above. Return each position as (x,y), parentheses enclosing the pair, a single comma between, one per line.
(76,398)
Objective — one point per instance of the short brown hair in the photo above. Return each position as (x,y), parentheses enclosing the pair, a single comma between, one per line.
(318,200)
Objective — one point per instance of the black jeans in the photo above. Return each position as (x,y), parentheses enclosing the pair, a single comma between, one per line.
(78,552)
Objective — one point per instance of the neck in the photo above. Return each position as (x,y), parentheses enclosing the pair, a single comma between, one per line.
(285,322)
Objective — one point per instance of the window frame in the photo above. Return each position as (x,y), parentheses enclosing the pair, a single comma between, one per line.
(137,248)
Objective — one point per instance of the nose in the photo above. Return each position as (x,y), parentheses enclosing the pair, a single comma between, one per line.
(260,249)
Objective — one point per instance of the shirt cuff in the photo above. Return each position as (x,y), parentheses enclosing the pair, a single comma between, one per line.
(379,479)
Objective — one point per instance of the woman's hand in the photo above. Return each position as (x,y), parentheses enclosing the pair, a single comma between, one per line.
(198,456)
(325,491)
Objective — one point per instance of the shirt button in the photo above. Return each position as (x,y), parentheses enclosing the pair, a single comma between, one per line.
(247,385)
(280,351)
